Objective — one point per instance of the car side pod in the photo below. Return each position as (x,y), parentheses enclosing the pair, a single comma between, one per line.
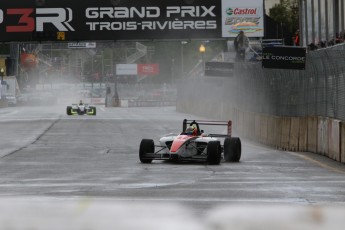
(146,146)
(92,111)
(232,149)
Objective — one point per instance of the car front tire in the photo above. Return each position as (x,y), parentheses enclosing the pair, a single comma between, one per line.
(213,152)
(232,149)
(146,146)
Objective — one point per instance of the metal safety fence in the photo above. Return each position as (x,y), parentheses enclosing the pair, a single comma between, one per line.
(319,90)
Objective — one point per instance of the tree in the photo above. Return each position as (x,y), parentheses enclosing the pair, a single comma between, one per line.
(286,12)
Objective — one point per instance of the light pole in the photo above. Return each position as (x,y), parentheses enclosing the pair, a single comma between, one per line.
(202,50)
(182,56)
(172,70)
(2,72)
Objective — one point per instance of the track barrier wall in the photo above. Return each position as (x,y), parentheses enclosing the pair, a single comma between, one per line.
(342,142)
(3,103)
(285,136)
(303,134)
(295,110)
(312,134)
(294,134)
(322,138)
(273,134)
(334,140)
(319,135)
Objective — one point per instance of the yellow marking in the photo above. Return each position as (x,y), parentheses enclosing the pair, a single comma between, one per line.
(60,36)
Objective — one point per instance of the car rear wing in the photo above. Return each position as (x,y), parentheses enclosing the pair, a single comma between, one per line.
(204,122)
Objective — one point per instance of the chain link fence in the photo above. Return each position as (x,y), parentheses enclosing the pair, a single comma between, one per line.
(319,90)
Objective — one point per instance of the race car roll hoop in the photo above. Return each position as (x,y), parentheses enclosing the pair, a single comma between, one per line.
(193,146)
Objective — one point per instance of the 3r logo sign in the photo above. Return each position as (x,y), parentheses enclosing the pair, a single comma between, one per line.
(58,17)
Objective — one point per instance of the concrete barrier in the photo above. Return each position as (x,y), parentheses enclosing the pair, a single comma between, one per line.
(322,136)
(312,134)
(342,142)
(263,129)
(303,134)
(285,133)
(274,131)
(334,150)
(97,101)
(124,103)
(240,123)
(257,124)
(151,103)
(235,120)
(3,103)
(294,134)
(250,125)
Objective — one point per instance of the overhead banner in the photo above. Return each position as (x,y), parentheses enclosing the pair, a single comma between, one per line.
(109,20)
(246,16)
(66,20)
(284,57)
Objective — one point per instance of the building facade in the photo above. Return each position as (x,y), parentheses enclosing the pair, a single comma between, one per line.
(321,21)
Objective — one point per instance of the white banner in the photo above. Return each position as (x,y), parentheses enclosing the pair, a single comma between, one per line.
(126,69)
(242,15)
(80,45)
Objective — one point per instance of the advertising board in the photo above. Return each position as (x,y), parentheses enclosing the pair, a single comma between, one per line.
(219,69)
(284,57)
(246,16)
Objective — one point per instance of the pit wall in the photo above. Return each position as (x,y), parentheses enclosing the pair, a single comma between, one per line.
(319,135)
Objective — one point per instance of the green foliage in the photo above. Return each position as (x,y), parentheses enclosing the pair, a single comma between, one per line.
(4,49)
(286,12)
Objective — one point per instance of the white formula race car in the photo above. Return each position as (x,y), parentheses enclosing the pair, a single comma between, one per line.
(193,146)
(80,109)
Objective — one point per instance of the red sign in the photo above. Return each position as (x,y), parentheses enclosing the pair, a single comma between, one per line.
(148,69)
(28,61)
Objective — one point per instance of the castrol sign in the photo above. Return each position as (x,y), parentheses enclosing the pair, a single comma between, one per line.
(246,16)
(241,11)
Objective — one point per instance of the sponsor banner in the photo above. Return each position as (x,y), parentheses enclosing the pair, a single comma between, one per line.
(126,69)
(219,69)
(66,20)
(284,57)
(148,69)
(80,45)
(246,16)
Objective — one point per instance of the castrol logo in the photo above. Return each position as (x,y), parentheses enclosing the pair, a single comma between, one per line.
(241,11)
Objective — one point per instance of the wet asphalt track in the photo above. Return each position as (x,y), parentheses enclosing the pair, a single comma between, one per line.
(47,155)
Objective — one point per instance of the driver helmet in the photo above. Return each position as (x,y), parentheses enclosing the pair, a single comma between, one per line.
(191,130)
